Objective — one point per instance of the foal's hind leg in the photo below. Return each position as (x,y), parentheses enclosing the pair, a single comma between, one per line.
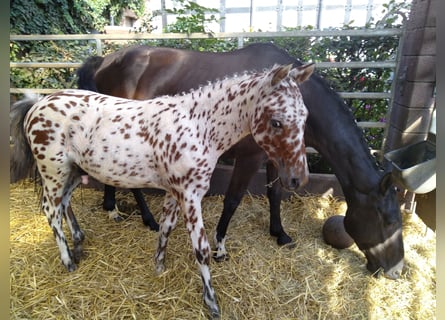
(168,221)
(53,208)
(76,233)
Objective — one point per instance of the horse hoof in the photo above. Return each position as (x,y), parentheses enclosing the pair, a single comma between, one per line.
(160,268)
(290,245)
(71,267)
(153,226)
(114,214)
(213,309)
(77,254)
(220,258)
(215,315)
(284,239)
(118,219)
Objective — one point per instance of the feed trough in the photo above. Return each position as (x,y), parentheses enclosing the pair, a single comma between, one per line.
(414,166)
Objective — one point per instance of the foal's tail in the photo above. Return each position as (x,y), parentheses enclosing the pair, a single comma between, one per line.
(85,74)
(22,162)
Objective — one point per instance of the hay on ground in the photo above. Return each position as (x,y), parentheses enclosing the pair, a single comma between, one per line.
(116,279)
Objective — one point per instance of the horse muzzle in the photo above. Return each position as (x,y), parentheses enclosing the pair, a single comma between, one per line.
(392,273)
(395,272)
(387,257)
(291,180)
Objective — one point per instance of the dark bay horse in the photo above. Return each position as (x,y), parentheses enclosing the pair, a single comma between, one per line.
(373,217)
(169,142)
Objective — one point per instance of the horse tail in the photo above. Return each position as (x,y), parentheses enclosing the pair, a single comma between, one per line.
(22,161)
(85,74)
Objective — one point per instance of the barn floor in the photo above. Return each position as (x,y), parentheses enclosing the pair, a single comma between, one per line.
(116,279)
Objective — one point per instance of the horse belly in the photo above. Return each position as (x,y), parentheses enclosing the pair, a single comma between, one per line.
(127,179)
(122,172)
(117,162)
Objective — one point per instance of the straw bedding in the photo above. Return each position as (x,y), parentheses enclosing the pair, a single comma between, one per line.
(116,279)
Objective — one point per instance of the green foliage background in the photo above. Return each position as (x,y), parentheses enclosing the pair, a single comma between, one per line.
(69,16)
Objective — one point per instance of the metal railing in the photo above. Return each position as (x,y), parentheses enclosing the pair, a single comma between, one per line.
(98,39)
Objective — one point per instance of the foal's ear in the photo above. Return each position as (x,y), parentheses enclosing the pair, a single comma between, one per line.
(302,73)
(280,73)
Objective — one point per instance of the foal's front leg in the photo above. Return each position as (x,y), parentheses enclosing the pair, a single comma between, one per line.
(201,247)
(168,221)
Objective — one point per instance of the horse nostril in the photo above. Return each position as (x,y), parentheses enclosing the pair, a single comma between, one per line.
(294,183)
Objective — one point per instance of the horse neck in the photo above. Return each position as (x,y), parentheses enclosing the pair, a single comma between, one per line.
(338,139)
(357,173)
(225,113)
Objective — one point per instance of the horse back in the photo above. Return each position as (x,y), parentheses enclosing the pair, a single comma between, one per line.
(143,72)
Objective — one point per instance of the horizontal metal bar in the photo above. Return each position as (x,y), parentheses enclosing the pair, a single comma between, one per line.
(154,36)
(349,95)
(365,95)
(311,150)
(323,65)
(290,7)
(357,64)
(33,90)
(45,64)
(371,124)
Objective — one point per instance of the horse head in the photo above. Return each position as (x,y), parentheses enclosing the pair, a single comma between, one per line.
(374,221)
(278,123)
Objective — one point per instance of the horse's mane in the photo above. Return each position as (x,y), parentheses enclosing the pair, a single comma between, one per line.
(279,54)
(347,112)
(210,84)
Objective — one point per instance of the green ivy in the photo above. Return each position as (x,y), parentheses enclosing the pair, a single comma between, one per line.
(190,17)
(49,17)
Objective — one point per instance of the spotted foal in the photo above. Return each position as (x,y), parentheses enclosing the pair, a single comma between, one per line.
(171,143)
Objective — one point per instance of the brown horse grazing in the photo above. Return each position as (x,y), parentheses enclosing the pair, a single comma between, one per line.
(373,216)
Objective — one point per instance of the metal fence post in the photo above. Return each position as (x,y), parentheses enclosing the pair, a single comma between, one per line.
(99,47)
(240,42)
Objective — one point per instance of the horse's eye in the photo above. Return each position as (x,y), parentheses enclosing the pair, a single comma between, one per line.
(276,124)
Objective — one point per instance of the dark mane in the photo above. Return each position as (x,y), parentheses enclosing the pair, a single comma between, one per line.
(334,98)
(347,112)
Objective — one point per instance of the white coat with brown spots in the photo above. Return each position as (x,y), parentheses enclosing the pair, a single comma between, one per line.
(171,143)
